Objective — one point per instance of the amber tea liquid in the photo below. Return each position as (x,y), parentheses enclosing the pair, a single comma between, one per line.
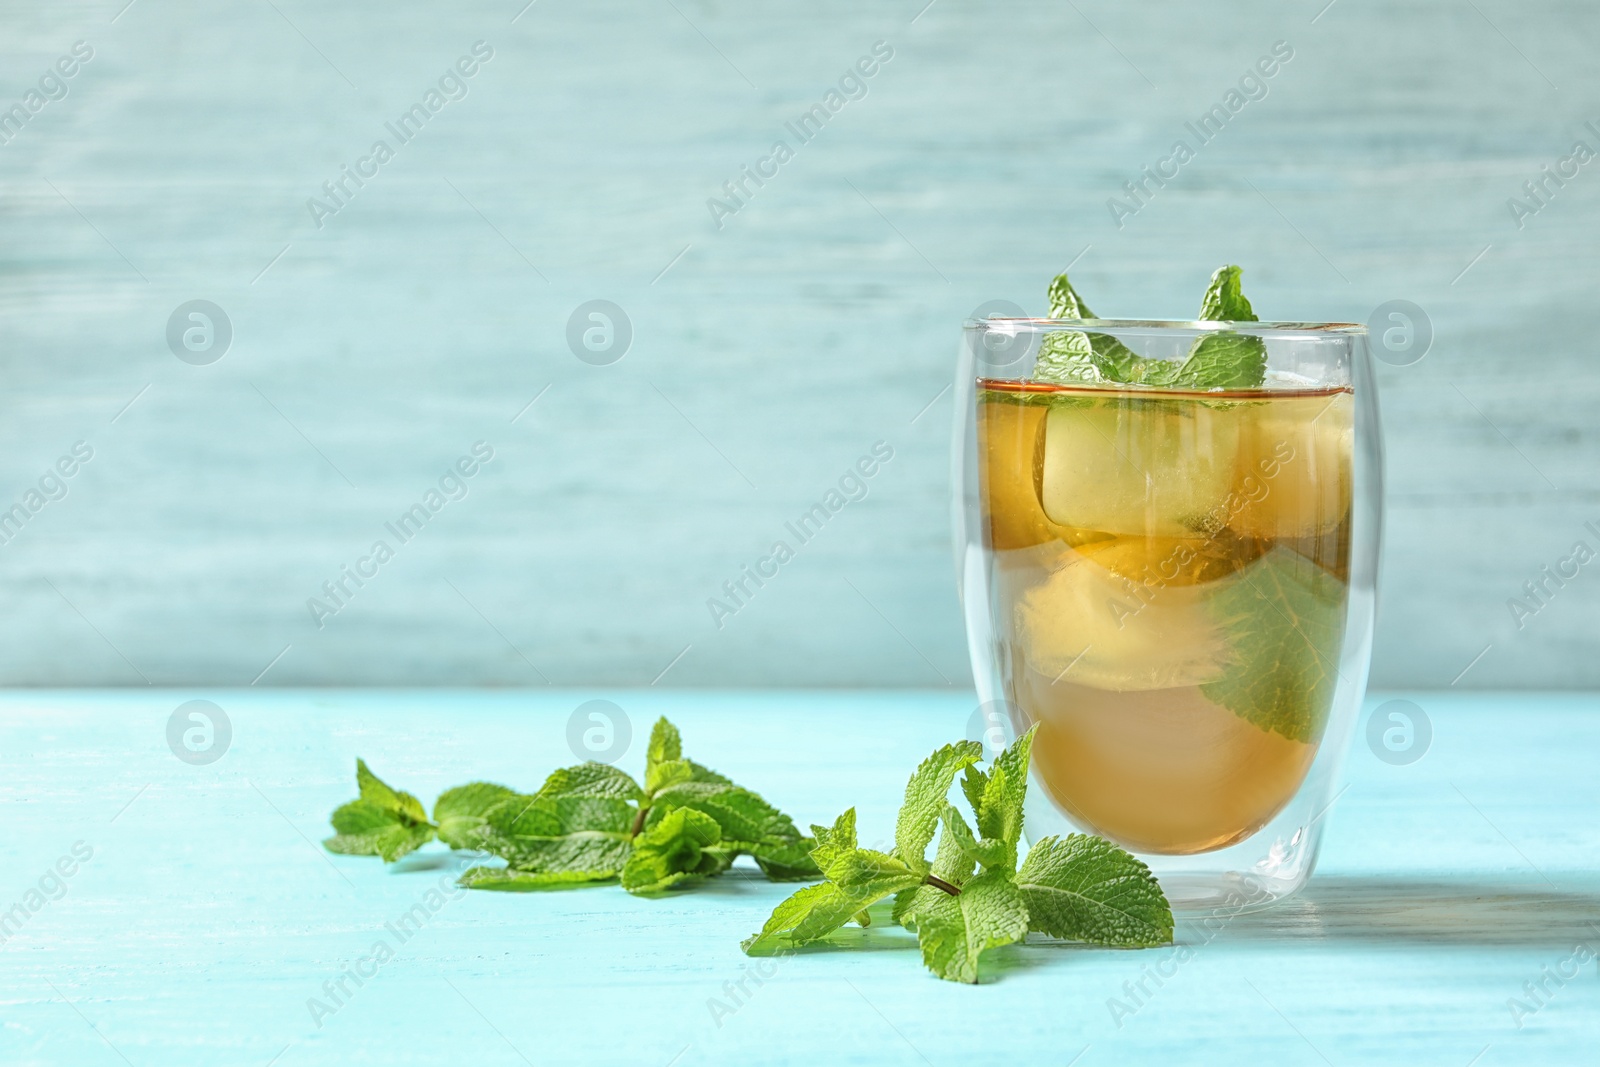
(1170,584)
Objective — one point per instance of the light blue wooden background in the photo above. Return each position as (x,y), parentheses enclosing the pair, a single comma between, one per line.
(768,355)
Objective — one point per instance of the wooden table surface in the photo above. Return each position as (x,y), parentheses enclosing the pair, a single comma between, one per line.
(207,915)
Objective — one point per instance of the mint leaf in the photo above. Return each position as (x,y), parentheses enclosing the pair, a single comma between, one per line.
(991,853)
(592,854)
(834,841)
(388,839)
(665,745)
(810,915)
(1065,358)
(584,837)
(591,780)
(1281,617)
(747,822)
(952,864)
(954,932)
(706,774)
(383,822)
(818,910)
(999,809)
(973,783)
(1224,300)
(360,817)
(552,816)
(925,799)
(1224,360)
(857,879)
(506,879)
(374,790)
(402,840)
(1065,303)
(1068,356)
(1085,889)
(788,862)
(677,849)
(666,774)
(459,812)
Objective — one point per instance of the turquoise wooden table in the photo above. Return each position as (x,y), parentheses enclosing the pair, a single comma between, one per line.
(206,916)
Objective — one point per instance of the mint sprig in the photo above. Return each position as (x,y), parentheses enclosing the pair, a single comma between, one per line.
(383,821)
(587,824)
(1223,360)
(971,898)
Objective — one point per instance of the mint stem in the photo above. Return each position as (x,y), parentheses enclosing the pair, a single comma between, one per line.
(940,883)
(638,820)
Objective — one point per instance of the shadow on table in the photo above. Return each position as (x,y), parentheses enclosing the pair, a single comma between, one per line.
(1465,911)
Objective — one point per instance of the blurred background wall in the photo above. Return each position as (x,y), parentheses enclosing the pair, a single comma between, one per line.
(372,332)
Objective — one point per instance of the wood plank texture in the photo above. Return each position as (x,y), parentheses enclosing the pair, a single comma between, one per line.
(206,917)
(373,346)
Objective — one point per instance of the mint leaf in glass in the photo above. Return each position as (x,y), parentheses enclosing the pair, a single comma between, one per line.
(1225,300)
(1082,888)
(1070,356)
(1224,360)
(1281,618)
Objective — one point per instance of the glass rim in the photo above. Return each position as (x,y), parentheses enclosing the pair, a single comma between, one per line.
(1261,329)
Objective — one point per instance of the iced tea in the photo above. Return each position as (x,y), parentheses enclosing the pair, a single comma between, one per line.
(1169,586)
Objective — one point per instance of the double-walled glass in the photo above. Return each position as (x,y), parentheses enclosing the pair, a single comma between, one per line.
(1177,587)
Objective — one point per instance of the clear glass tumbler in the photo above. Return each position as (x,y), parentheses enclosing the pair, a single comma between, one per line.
(1177,587)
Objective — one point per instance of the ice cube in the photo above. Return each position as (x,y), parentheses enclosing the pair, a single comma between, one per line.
(1293,478)
(1126,631)
(1155,468)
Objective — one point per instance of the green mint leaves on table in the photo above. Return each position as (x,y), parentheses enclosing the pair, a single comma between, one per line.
(587,824)
(1225,360)
(381,822)
(972,897)
(593,824)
